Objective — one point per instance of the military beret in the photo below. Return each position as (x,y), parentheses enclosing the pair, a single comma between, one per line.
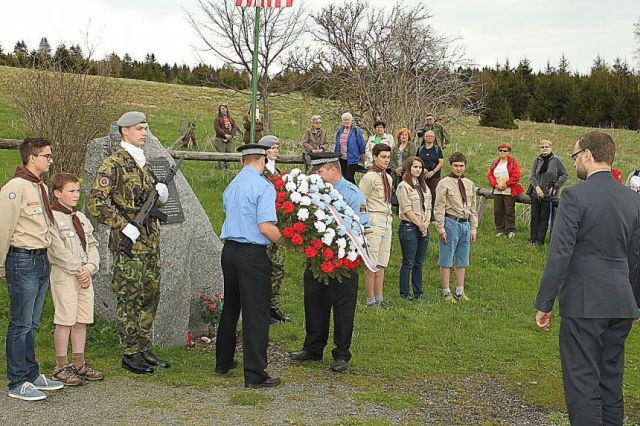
(269,140)
(253,149)
(131,118)
(319,159)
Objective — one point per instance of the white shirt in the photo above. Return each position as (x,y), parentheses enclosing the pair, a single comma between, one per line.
(135,152)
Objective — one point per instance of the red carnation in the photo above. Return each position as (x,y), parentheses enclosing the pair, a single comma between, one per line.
(212,308)
(327,253)
(280,196)
(327,267)
(288,232)
(356,263)
(310,252)
(299,227)
(288,207)
(279,184)
(617,175)
(297,240)
(278,206)
(317,244)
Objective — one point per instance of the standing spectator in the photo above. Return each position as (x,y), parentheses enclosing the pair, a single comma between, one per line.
(248,229)
(246,123)
(225,128)
(376,187)
(457,224)
(379,136)
(399,153)
(441,134)
(433,159)
(548,174)
(24,239)
(591,268)
(414,200)
(351,147)
(504,178)
(314,140)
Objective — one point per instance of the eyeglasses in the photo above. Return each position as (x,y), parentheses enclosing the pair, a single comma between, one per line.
(503,150)
(575,154)
(544,147)
(47,156)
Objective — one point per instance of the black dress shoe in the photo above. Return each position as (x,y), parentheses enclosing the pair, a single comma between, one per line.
(304,355)
(136,364)
(151,359)
(277,315)
(221,370)
(339,365)
(271,382)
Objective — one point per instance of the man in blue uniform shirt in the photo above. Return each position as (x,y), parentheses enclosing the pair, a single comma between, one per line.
(320,298)
(249,227)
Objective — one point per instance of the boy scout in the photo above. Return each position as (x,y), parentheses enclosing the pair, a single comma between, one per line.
(74,259)
(121,180)
(24,239)
(457,225)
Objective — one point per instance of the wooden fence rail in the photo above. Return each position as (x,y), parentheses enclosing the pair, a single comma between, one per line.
(10,143)
(486,194)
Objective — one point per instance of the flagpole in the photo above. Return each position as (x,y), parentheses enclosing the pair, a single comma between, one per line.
(254,72)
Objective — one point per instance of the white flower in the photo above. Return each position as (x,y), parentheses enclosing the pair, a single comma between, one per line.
(352,255)
(303,214)
(320,214)
(290,186)
(327,239)
(305,201)
(341,252)
(328,186)
(335,194)
(349,211)
(314,178)
(341,242)
(296,197)
(295,172)
(330,231)
(303,188)
(320,226)
(302,178)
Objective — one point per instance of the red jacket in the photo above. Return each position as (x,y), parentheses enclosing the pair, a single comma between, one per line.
(514,176)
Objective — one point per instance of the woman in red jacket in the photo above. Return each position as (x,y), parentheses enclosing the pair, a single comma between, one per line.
(504,178)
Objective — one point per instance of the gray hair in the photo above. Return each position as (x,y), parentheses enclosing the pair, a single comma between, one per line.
(347,116)
(315,118)
(430,132)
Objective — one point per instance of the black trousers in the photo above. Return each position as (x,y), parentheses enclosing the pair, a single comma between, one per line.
(592,356)
(247,287)
(319,299)
(348,170)
(539,219)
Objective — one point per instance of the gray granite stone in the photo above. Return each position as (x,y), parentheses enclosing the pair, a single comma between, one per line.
(189,251)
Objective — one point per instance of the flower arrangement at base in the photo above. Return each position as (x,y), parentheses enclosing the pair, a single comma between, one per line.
(316,221)
(211,307)
(617,175)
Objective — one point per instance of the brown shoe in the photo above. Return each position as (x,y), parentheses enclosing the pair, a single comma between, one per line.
(86,372)
(67,375)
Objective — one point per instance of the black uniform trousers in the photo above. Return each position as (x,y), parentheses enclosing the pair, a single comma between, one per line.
(540,211)
(247,287)
(319,299)
(592,356)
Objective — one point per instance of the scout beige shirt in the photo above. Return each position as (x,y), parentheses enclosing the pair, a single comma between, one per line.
(23,221)
(66,252)
(449,201)
(409,201)
(372,186)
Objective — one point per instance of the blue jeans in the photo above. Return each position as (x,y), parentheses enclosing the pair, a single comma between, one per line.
(414,248)
(28,281)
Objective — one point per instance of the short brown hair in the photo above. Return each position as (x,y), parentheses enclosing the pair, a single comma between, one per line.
(31,146)
(378,148)
(457,157)
(505,146)
(600,145)
(404,130)
(59,180)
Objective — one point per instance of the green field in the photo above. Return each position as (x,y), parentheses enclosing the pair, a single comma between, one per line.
(492,335)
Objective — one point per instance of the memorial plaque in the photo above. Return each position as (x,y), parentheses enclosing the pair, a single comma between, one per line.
(172,208)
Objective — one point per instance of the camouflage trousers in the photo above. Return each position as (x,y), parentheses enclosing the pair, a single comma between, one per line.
(276,256)
(136,284)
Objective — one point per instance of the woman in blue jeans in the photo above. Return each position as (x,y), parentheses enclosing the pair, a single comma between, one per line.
(414,199)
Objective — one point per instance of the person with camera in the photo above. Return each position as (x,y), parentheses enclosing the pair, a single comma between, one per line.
(433,159)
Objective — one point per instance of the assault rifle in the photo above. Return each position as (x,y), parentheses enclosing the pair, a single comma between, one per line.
(149,209)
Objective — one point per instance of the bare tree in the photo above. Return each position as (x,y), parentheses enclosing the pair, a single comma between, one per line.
(227,33)
(68,108)
(636,35)
(390,63)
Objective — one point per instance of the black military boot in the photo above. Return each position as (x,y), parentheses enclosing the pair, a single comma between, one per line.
(136,364)
(151,359)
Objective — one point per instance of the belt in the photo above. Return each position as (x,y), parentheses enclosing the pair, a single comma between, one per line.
(457,219)
(37,252)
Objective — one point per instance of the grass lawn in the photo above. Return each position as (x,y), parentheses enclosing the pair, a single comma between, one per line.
(493,335)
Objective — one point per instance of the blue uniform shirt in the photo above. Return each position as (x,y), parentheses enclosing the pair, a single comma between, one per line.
(354,198)
(248,201)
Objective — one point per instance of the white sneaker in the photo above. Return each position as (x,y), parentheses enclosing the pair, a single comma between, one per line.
(498,234)
(511,234)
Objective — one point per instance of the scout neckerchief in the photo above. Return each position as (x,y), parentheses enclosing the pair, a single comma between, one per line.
(26,174)
(463,191)
(387,187)
(75,219)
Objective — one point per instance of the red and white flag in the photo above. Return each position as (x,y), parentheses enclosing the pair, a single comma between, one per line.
(264,3)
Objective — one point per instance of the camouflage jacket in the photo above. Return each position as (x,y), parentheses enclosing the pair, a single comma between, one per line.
(116,191)
(267,173)
(442,136)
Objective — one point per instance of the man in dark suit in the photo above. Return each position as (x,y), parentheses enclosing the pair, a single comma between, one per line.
(591,267)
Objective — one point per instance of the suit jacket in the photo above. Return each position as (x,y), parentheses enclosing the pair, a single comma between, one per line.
(594,252)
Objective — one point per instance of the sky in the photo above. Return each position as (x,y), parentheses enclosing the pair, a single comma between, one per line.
(490,31)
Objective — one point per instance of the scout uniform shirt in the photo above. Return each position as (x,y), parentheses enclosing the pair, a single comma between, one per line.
(23,222)
(409,201)
(449,202)
(66,254)
(118,186)
(372,187)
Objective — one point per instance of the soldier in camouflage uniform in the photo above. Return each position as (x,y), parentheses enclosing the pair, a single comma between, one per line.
(115,197)
(442,136)
(274,251)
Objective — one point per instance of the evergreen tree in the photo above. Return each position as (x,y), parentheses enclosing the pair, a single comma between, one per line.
(497,112)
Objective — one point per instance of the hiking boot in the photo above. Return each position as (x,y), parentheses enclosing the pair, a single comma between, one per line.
(26,392)
(86,372)
(339,365)
(67,375)
(461,297)
(449,298)
(42,383)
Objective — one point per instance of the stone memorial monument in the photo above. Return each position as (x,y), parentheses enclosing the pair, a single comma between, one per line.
(189,248)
